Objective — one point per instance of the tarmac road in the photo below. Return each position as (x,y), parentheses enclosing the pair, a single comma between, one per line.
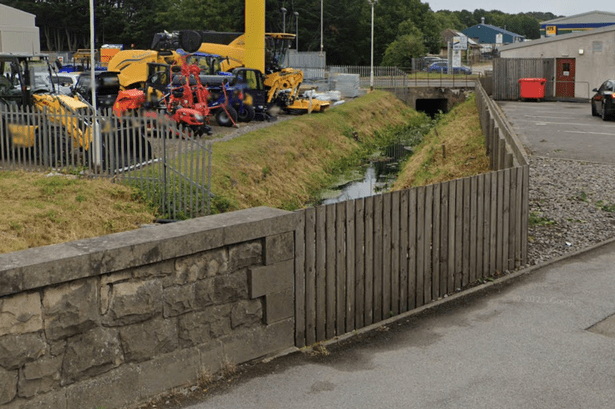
(523,343)
(564,130)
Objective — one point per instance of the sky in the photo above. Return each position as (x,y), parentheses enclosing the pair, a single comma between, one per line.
(557,7)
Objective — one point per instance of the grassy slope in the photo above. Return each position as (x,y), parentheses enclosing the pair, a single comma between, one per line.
(283,165)
(38,210)
(460,133)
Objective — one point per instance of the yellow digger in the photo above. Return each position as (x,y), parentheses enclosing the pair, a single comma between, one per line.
(282,84)
(46,127)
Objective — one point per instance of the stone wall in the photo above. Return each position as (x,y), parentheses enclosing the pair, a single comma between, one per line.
(116,320)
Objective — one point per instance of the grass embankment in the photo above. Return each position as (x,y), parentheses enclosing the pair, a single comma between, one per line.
(283,166)
(458,135)
(38,210)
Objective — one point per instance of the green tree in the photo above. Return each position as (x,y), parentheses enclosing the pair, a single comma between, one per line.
(401,51)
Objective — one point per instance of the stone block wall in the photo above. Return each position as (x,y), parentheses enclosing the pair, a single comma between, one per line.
(116,320)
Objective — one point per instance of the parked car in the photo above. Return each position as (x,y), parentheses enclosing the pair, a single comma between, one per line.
(65,82)
(442,67)
(603,101)
(427,61)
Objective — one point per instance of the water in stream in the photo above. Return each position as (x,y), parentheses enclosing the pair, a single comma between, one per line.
(366,181)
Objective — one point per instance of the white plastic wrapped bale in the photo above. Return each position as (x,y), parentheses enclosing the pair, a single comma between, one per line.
(347,84)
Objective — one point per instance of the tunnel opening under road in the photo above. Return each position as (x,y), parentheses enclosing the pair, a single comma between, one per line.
(432,106)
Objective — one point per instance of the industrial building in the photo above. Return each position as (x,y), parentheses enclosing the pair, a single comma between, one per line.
(491,35)
(579,22)
(18,32)
(583,60)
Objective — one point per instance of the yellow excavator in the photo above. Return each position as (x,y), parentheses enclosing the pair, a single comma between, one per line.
(62,130)
(282,84)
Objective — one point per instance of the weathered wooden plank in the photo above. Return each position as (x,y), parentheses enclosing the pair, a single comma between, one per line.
(340,268)
(395,251)
(420,246)
(500,218)
(518,212)
(427,236)
(300,280)
(525,214)
(330,271)
(369,260)
(465,280)
(473,227)
(321,272)
(386,255)
(443,239)
(412,248)
(494,223)
(452,242)
(506,220)
(435,242)
(310,276)
(360,263)
(480,221)
(403,250)
(459,234)
(487,227)
(512,219)
(350,265)
(378,258)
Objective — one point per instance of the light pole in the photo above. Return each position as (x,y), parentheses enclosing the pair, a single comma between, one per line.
(297,31)
(283,10)
(321,25)
(371,72)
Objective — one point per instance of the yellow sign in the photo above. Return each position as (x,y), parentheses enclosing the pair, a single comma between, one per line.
(551,31)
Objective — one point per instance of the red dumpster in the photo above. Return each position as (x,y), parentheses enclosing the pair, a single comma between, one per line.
(532,88)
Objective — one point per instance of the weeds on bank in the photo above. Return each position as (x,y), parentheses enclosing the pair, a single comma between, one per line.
(536,219)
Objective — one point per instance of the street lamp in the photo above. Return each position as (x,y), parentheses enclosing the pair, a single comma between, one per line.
(321,25)
(283,10)
(371,72)
(297,31)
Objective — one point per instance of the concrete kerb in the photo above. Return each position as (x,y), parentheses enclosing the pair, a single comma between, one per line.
(508,279)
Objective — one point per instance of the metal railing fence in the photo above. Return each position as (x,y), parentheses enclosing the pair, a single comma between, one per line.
(170,165)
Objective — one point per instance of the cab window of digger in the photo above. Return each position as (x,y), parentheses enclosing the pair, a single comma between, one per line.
(5,78)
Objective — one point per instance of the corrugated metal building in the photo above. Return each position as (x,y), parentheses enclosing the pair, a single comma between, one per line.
(576,23)
(488,34)
(582,60)
(18,31)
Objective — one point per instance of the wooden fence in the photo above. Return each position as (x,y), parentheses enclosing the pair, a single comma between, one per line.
(508,71)
(362,261)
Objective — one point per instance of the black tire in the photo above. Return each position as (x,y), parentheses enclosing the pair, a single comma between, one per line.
(223,119)
(246,113)
(604,115)
(594,112)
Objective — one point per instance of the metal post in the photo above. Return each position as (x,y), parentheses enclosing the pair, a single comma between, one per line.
(371,72)
(283,10)
(321,25)
(96,142)
(297,31)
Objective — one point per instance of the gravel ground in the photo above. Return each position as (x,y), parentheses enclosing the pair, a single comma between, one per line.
(572,206)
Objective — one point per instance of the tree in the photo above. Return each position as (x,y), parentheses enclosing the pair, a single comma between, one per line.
(401,51)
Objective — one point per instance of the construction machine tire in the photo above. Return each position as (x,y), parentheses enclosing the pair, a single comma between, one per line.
(226,119)
(245,113)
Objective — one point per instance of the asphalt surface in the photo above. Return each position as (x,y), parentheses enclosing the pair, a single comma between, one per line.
(543,337)
(527,342)
(564,130)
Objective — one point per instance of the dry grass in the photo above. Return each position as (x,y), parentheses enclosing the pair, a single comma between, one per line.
(460,134)
(283,165)
(38,210)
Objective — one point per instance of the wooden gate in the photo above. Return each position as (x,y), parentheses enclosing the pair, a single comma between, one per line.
(508,71)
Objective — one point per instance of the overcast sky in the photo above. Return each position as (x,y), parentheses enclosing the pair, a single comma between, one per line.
(557,7)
